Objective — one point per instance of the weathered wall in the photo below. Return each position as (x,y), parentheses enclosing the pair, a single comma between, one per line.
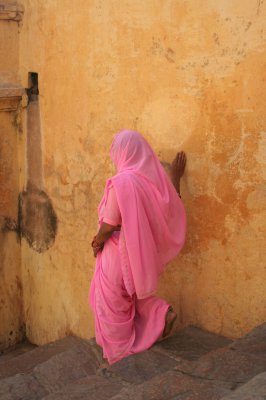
(11,302)
(187,75)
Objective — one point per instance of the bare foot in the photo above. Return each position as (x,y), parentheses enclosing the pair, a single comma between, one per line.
(104,365)
(170,320)
(178,165)
(104,369)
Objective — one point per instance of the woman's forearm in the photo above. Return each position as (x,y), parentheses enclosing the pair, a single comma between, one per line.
(105,232)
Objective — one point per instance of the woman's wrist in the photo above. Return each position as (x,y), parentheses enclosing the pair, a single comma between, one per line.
(104,233)
(176,183)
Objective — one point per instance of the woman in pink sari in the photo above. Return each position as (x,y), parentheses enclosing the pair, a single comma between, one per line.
(142,227)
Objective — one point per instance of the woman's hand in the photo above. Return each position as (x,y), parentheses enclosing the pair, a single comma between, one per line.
(96,246)
(104,233)
(96,250)
(178,165)
(178,168)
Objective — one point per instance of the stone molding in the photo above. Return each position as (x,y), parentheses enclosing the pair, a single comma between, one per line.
(10,98)
(11,11)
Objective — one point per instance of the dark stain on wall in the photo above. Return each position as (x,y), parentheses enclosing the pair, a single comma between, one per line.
(37,220)
(7,224)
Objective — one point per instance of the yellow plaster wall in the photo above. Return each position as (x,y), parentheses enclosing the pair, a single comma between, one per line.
(187,74)
(11,302)
(9,52)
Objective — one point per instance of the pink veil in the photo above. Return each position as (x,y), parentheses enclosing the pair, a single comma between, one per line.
(153,216)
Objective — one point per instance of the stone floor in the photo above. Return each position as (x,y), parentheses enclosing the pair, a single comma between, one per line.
(192,365)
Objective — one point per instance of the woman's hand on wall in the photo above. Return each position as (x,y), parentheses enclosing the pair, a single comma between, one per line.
(178,168)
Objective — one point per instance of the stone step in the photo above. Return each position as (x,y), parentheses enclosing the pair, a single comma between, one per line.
(26,362)
(89,388)
(140,367)
(74,374)
(191,365)
(237,363)
(173,385)
(191,343)
(67,363)
(16,350)
(253,343)
(255,389)
(225,365)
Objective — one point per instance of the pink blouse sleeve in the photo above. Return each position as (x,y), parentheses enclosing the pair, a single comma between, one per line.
(112,214)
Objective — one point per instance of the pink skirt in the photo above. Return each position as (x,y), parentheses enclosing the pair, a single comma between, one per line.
(124,325)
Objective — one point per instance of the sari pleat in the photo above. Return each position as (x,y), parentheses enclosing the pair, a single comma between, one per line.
(124,325)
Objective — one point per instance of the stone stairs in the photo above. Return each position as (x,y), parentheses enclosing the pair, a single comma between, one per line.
(192,365)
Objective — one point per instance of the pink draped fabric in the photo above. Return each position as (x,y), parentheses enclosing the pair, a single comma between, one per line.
(128,317)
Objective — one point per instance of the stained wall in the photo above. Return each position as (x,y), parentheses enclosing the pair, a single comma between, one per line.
(11,297)
(187,74)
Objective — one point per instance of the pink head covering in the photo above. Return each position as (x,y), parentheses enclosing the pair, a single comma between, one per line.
(153,216)
(131,152)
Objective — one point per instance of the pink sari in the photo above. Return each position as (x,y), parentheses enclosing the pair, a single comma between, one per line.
(129,318)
